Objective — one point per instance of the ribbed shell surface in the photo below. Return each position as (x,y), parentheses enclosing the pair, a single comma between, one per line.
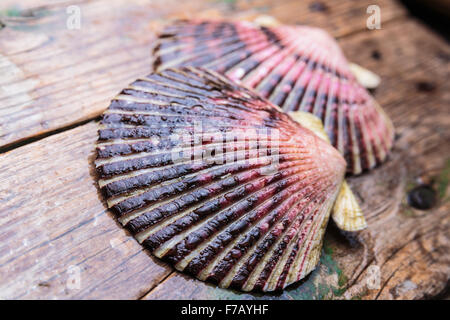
(254,217)
(295,67)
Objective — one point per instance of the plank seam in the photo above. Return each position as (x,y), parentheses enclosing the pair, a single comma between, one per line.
(157,285)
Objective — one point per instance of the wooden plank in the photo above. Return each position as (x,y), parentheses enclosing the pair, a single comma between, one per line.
(410,248)
(52,222)
(46,228)
(53,77)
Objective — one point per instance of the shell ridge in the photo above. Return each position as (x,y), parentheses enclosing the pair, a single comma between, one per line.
(299,263)
(237,243)
(288,46)
(323,87)
(291,257)
(210,219)
(295,95)
(245,260)
(317,76)
(239,200)
(289,78)
(225,158)
(231,59)
(267,67)
(198,205)
(279,92)
(281,249)
(259,220)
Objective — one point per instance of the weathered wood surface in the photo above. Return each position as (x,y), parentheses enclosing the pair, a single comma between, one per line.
(52,219)
(53,77)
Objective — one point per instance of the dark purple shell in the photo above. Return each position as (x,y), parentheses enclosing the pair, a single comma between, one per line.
(216,180)
(295,67)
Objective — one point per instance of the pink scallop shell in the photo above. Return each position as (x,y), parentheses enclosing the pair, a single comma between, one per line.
(238,221)
(295,67)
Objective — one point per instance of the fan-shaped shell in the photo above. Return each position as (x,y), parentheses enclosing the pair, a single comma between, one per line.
(295,67)
(346,213)
(253,218)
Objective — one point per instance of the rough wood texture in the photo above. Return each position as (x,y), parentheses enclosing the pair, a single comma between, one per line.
(52,218)
(53,77)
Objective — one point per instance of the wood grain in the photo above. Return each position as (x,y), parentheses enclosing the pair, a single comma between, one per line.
(52,77)
(51,215)
(52,220)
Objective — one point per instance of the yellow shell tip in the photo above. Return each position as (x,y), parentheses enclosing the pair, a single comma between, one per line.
(347,213)
(265,20)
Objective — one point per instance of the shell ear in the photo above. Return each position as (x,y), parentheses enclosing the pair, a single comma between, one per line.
(365,77)
(265,20)
(346,213)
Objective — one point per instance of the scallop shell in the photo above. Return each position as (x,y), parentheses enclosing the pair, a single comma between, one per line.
(347,213)
(295,67)
(366,78)
(216,180)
